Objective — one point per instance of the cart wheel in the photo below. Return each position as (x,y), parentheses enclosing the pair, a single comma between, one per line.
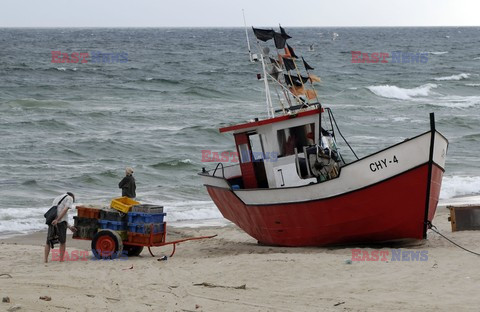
(132,251)
(107,244)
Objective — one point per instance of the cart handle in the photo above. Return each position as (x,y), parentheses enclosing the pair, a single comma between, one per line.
(174,243)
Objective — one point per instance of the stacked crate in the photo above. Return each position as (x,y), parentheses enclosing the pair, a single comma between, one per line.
(145,221)
(123,204)
(113,220)
(86,222)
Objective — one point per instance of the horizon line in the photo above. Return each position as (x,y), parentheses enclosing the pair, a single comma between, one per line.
(371,26)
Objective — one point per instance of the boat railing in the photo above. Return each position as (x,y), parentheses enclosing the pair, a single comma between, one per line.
(223,169)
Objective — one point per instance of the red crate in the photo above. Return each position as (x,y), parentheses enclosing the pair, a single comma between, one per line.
(87,212)
(144,238)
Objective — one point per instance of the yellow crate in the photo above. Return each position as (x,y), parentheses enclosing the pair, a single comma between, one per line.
(123,204)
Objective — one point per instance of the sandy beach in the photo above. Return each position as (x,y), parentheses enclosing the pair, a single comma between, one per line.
(232,273)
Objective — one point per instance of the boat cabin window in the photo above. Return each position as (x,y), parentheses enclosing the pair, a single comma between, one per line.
(257,147)
(244,153)
(293,137)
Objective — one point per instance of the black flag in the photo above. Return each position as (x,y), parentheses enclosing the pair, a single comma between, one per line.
(295,80)
(288,80)
(304,79)
(289,64)
(263,34)
(280,41)
(307,67)
(290,49)
(284,34)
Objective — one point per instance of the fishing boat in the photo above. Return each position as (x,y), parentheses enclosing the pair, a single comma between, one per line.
(293,187)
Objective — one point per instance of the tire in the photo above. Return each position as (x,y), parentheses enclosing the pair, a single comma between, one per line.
(107,244)
(132,251)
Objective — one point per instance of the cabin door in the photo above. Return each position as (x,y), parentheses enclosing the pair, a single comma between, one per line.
(251,161)
(245,157)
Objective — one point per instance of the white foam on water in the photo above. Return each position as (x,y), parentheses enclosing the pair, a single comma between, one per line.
(400,119)
(191,210)
(438,53)
(473,84)
(454,77)
(394,92)
(14,221)
(457,101)
(459,186)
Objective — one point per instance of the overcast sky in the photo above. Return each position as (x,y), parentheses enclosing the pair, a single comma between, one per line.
(226,13)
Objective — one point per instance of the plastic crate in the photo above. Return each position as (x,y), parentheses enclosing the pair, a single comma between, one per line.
(123,204)
(112,225)
(145,228)
(141,217)
(79,221)
(145,238)
(147,208)
(88,212)
(113,215)
(123,234)
(85,232)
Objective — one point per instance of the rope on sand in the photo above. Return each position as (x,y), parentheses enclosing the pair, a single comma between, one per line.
(434,228)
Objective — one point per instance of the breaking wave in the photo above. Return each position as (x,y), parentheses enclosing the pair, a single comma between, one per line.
(459,186)
(453,77)
(394,92)
(456,101)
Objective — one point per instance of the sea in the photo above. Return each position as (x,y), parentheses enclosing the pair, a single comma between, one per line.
(156,98)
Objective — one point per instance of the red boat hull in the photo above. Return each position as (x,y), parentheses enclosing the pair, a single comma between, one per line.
(396,208)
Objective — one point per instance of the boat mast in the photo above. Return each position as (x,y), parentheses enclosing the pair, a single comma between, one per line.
(248,40)
(270,111)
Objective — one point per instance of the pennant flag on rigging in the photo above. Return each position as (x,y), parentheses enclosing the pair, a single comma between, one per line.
(307,67)
(263,34)
(289,64)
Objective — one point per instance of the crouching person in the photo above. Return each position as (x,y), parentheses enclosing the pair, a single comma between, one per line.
(57,231)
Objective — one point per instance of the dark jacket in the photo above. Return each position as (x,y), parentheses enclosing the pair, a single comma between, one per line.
(128,186)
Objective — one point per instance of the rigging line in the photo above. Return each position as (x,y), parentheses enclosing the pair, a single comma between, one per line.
(270,111)
(283,87)
(333,117)
(274,68)
(286,94)
(299,75)
(434,229)
(333,133)
(311,81)
(338,93)
(278,95)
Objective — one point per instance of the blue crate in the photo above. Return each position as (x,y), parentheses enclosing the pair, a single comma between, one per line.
(141,217)
(144,228)
(113,225)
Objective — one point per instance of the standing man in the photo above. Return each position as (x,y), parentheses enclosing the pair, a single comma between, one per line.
(59,226)
(128,184)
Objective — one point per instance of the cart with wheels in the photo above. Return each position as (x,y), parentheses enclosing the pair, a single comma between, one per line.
(113,243)
(108,244)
